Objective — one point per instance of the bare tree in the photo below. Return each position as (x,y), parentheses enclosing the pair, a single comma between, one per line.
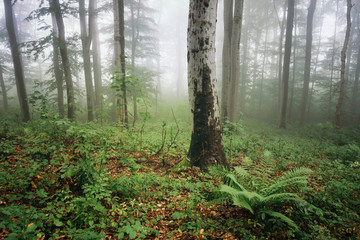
(3,90)
(17,61)
(65,59)
(308,47)
(57,71)
(286,66)
(206,146)
(343,59)
(96,54)
(86,37)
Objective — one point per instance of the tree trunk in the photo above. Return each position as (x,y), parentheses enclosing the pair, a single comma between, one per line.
(235,59)
(226,59)
(309,28)
(134,39)
(122,58)
(57,71)
(206,146)
(285,78)
(3,90)
(86,32)
(332,63)
(342,75)
(356,87)
(96,55)
(65,60)
(292,91)
(16,56)
(263,65)
(281,38)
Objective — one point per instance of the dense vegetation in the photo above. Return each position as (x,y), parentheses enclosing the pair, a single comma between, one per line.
(61,179)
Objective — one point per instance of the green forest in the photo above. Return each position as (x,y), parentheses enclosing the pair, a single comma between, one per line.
(197,119)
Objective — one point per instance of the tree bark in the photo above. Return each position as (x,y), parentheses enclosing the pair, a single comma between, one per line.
(342,75)
(206,146)
(122,58)
(17,61)
(285,78)
(309,28)
(86,37)
(3,90)
(65,60)
(96,55)
(356,87)
(57,71)
(235,59)
(226,59)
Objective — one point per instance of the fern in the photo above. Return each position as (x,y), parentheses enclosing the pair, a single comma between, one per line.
(254,186)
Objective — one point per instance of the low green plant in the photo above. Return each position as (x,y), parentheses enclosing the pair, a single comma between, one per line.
(255,187)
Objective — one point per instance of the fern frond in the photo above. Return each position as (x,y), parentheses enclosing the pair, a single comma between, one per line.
(299,183)
(232,181)
(281,216)
(297,172)
(279,198)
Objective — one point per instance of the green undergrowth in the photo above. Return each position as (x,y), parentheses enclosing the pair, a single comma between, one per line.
(60,179)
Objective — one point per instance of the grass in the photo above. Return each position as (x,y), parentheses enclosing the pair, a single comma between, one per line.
(87,181)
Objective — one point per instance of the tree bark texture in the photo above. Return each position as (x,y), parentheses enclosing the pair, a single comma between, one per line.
(342,71)
(17,61)
(356,87)
(286,65)
(308,47)
(226,59)
(206,146)
(57,70)
(3,90)
(235,59)
(65,60)
(86,37)
(96,55)
(122,59)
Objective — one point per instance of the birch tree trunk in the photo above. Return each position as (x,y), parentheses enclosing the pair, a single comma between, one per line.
(57,71)
(308,47)
(65,60)
(342,75)
(3,90)
(17,61)
(206,146)
(86,32)
(285,77)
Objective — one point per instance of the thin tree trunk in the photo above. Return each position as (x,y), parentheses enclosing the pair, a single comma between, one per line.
(96,55)
(285,78)
(263,65)
(86,32)
(235,59)
(226,59)
(65,60)
(356,87)
(315,68)
(3,90)
(206,146)
(122,58)
(244,66)
(292,91)
(309,28)
(281,38)
(57,71)
(343,59)
(332,63)
(17,61)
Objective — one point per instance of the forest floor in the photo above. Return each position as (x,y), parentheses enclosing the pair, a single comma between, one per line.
(61,180)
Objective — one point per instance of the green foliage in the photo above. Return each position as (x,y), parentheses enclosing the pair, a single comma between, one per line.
(255,188)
